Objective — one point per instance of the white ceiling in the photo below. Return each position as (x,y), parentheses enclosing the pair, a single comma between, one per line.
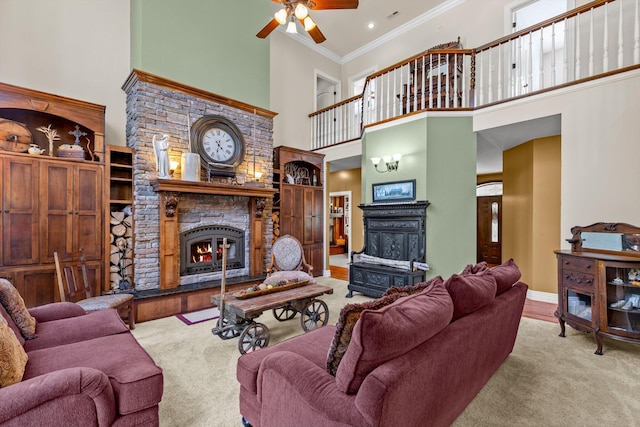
(347,30)
(347,33)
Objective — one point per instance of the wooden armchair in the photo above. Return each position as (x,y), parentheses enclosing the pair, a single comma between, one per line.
(74,286)
(287,255)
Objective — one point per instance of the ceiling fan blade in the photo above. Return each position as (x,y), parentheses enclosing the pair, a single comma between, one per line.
(272,25)
(335,4)
(317,35)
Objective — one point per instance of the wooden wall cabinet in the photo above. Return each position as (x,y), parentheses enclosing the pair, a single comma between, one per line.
(50,203)
(599,282)
(299,202)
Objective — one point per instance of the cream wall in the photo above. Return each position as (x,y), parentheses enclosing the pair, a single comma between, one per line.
(73,48)
(600,136)
(292,71)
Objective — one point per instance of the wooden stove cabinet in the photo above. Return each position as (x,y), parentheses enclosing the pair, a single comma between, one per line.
(392,231)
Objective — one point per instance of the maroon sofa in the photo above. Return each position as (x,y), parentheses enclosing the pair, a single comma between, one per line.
(416,361)
(83,369)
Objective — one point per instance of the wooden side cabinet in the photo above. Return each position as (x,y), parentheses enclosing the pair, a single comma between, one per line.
(599,282)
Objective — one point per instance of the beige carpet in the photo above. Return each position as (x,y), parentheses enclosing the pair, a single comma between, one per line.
(547,380)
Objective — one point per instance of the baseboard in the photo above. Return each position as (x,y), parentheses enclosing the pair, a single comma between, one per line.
(542,296)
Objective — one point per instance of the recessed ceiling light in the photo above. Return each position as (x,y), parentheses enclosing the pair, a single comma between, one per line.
(371,25)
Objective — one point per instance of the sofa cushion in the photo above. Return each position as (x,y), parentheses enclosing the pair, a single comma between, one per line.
(12,325)
(14,304)
(470,292)
(136,380)
(74,329)
(412,289)
(384,334)
(349,315)
(507,274)
(474,269)
(13,358)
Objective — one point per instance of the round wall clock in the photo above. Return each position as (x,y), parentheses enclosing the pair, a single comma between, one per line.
(219,143)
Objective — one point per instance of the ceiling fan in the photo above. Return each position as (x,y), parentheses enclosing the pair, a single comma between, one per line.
(299,9)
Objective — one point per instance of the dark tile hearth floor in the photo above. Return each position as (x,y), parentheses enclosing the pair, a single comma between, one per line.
(231,282)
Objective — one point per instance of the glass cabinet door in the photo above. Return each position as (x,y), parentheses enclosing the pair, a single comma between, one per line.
(579,305)
(623,299)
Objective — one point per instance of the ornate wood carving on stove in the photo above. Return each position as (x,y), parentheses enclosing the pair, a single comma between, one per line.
(394,232)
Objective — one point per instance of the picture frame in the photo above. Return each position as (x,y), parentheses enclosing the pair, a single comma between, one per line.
(393,192)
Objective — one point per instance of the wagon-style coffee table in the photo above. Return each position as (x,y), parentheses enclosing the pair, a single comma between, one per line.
(237,315)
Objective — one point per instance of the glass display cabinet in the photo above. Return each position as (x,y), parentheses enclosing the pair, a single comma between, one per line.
(599,282)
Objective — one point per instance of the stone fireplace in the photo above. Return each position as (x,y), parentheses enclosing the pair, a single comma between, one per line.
(172,215)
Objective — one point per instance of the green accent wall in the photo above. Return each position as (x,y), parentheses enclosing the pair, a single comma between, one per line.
(440,154)
(207,44)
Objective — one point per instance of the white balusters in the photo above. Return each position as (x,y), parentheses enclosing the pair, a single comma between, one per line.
(605,47)
(577,53)
(636,35)
(553,55)
(591,46)
(620,37)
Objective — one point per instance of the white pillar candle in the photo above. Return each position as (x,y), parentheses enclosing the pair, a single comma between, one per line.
(190,167)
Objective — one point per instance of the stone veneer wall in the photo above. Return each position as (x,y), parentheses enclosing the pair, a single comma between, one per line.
(153,109)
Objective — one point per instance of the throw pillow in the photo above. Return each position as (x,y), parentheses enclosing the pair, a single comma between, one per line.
(287,277)
(475,269)
(506,274)
(14,304)
(384,334)
(347,319)
(470,292)
(13,358)
(412,289)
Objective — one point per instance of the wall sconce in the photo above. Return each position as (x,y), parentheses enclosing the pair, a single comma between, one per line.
(391,162)
(173,165)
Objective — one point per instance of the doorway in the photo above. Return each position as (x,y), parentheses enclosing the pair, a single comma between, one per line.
(489,221)
(339,228)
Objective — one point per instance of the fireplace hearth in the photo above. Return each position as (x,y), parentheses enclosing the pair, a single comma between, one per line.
(201,249)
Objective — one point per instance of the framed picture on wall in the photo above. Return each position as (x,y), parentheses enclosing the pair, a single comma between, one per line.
(397,191)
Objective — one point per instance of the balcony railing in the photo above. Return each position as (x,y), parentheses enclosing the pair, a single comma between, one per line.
(595,40)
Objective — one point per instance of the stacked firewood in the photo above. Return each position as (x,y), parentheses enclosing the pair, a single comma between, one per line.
(275,216)
(121,250)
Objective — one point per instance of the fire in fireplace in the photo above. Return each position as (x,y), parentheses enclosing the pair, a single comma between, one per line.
(201,249)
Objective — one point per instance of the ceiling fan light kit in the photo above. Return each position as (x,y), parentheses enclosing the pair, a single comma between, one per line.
(299,9)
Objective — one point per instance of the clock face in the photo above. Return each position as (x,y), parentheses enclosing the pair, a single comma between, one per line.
(219,143)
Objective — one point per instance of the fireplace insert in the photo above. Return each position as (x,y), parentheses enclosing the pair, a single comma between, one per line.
(201,249)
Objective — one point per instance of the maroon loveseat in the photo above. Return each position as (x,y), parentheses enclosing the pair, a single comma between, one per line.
(83,369)
(416,360)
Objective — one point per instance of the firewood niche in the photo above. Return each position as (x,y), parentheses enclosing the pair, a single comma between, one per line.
(169,191)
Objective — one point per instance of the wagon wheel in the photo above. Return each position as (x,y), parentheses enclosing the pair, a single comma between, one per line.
(224,330)
(284,313)
(314,315)
(254,336)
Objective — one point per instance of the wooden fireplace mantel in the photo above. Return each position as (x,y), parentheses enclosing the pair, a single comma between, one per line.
(169,191)
(179,186)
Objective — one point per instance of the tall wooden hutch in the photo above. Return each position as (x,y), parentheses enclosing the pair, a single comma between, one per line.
(49,202)
(298,205)
(599,282)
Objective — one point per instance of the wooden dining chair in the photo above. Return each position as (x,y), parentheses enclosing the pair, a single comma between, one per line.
(74,286)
